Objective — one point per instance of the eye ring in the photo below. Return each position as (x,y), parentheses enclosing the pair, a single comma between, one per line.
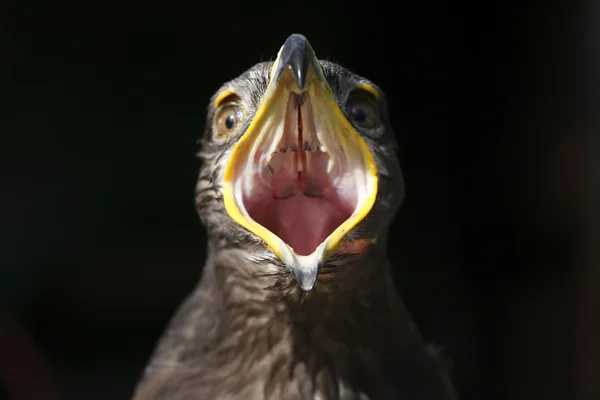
(362,110)
(226,119)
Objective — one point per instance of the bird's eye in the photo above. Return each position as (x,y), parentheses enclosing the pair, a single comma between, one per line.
(226,119)
(362,111)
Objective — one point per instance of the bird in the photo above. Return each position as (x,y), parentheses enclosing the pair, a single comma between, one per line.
(299,183)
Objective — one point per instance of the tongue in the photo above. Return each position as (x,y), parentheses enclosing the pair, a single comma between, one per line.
(301,207)
(301,222)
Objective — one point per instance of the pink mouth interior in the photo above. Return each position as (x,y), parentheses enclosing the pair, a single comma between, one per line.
(300,221)
(293,195)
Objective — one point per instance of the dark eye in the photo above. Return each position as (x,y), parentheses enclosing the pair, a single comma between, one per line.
(362,111)
(226,119)
(230,121)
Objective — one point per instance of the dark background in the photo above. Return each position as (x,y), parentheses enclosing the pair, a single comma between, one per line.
(99,240)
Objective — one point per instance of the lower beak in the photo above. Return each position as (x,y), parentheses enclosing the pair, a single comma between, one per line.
(300,177)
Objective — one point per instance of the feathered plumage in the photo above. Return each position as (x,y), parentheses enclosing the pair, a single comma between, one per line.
(248,331)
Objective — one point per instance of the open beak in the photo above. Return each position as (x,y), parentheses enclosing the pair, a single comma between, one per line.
(300,177)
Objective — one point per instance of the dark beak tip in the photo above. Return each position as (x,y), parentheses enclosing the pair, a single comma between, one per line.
(296,39)
(296,54)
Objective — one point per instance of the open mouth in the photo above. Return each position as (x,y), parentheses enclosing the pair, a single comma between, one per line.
(300,177)
(299,184)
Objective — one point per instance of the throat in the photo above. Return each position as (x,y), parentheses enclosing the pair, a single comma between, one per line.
(301,221)
(345,319)
(358,274)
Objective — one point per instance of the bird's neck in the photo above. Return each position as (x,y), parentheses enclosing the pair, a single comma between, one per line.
(355,294)
(350,333)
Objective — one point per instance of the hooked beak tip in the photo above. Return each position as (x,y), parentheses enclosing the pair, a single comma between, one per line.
(298,55)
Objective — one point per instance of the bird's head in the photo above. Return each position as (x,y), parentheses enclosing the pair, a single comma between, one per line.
(299,157)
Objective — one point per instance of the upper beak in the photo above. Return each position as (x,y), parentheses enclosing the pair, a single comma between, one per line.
(297,72)
(297,55)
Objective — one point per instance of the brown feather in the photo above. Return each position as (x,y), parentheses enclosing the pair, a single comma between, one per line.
(248,332)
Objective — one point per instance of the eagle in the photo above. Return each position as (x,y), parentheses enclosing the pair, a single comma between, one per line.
(298,185)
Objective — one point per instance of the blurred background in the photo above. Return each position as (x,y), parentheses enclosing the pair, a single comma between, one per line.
(495,247)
